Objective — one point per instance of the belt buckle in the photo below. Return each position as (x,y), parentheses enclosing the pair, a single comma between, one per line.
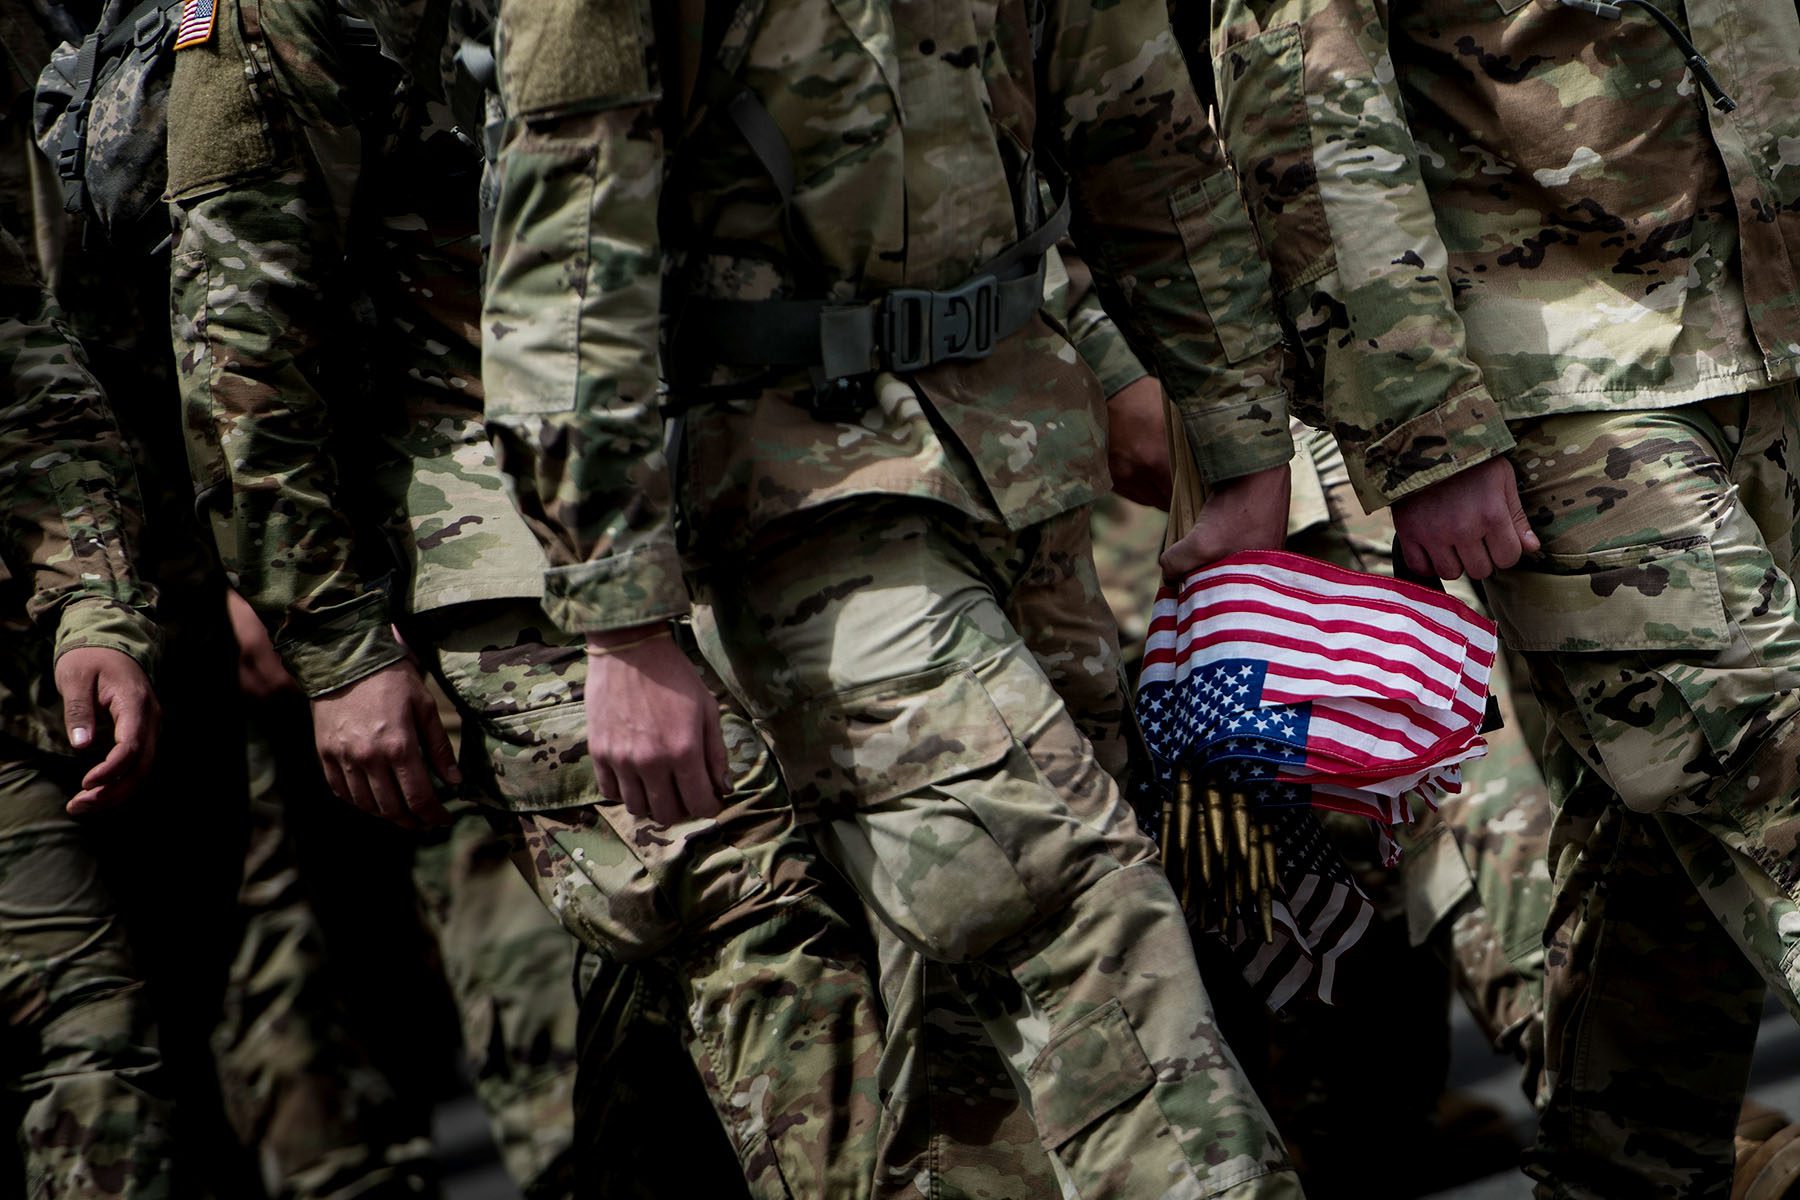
(921,328)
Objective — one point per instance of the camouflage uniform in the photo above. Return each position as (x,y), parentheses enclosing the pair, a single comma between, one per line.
(869,586)
(325,303)
(83,1075)
(1515,229)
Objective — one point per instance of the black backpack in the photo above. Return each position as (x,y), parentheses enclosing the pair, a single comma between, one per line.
(101,117)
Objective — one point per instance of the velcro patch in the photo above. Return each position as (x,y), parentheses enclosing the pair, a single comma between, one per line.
(197,20)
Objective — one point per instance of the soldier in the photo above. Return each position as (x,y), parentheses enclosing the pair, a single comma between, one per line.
(1545,264)
(325,297)
(881,464)
(83,1076)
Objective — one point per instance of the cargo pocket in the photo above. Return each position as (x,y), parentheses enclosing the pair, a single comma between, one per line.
(1639,635)
(1263,105)
(918,790)
(1436,881)
(1227,266)
(1091,1068)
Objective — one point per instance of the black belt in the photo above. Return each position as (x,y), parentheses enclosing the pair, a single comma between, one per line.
(904,330)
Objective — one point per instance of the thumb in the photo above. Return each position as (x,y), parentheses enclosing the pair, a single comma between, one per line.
(436,739)
(78,709)
(1528,538)
(1185,557)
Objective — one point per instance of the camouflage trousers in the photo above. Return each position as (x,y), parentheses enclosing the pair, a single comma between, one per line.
(778,1002)
(932,761)
(1663,636)
(82,1072)
(299,1088)
(1473,883)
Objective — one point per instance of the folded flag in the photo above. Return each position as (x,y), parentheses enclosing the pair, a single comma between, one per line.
(1298,683)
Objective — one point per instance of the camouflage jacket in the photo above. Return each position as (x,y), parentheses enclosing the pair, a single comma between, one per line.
(902,121)
(326,294)
(1484,210)
(68,511)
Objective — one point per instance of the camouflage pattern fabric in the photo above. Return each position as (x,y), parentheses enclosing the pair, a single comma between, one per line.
(511,968)
(780,1009)
(70,514)
(935,765)
(1017,437)
(325,1123)
(83,1072)
(1463,238)
(311,474)
(83,1078)
(1661,630)
(281,343)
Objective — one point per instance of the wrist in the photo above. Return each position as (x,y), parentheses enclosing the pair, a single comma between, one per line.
(612,641)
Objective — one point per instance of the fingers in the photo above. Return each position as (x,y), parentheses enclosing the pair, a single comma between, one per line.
(436,740)
(1521,524)
(385,791)
(1444,562)
(696,793)
(630,793)
(1416,560)
(1185,557)
(419,794)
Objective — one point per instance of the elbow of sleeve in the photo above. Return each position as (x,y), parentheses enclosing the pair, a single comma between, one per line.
(627,588)
(1460,433)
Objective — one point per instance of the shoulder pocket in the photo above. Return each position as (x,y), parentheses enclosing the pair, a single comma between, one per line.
(1227,265)
(1658,597)
(217,131)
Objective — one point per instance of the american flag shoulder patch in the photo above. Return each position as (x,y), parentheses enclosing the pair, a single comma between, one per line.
(197,20)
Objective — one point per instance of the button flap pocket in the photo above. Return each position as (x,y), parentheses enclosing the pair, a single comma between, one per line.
(871,744)
(1662,597)
(1091,1068)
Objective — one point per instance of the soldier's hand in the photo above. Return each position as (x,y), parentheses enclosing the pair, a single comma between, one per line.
(653,727)
(1246,513)
(261,673)
(96,682)
(1137,444)
(373,738)
(1471,522)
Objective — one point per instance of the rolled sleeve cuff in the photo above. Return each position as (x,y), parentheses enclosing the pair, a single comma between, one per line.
(1460,433)
(634,587)
(109,625)
(356,642)
(1239,440)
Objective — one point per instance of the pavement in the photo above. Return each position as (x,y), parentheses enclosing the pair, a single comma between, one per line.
(472,1170)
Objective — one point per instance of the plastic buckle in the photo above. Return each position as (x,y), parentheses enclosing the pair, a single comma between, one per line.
(964,319)
(920,328)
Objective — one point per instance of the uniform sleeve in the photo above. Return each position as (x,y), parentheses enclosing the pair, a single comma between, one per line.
(1158,214)
(1309,110)
(1069,296)
(259,323)
(569,327)
(69,503)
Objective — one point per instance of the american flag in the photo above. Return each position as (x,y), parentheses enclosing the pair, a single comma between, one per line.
(1367,687)
(1304,685)
(196,26)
